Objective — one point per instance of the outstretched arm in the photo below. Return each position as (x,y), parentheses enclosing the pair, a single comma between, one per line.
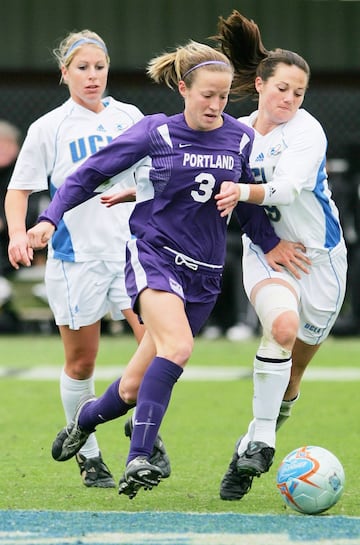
(96,173)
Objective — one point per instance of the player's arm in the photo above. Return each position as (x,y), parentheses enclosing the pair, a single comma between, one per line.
(291,255)
(118,156)
(279,253)
(142,190)
(296,170)
(20,251)
(126,195)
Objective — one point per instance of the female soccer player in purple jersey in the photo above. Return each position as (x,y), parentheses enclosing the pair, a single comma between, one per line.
(288,162)
(176,256)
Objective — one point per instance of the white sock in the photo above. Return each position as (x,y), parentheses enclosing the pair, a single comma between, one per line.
(271,379)
(246,438)
(285,411)
(70,392)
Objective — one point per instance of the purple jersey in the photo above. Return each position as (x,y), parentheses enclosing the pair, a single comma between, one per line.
(188,167)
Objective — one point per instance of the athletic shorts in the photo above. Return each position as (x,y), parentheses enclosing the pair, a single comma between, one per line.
(80,294)
(159,269)
(321,292)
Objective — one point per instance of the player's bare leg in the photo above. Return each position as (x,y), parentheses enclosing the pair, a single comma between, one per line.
(302,354)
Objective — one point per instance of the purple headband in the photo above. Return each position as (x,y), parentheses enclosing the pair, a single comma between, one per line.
(205,63)
(84,41)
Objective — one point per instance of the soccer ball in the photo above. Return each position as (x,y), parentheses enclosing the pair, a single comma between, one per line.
(310,479)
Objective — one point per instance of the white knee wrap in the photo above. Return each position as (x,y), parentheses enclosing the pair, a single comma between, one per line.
(271,301)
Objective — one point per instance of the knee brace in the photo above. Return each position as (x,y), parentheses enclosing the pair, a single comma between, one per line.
(271,301)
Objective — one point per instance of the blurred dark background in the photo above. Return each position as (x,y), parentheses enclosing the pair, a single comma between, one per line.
(325,32)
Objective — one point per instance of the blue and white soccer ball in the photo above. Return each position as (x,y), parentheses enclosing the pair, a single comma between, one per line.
(310,479)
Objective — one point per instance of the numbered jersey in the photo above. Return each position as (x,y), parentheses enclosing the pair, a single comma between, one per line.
(55,146)
(292,158)
(176,206)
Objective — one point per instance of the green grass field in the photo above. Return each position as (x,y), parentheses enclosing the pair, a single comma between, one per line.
(202,423)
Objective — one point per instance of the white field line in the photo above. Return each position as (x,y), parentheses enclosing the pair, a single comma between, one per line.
(190,538)
(192,373)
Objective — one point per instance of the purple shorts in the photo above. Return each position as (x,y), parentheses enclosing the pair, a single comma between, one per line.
(155,268)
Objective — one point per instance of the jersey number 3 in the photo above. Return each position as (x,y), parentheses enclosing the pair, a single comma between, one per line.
(206,185)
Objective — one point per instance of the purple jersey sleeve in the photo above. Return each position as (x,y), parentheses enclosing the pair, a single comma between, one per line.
(120,154)
(254,222)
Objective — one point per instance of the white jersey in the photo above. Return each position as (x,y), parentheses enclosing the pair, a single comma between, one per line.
(56,145)
(292,159)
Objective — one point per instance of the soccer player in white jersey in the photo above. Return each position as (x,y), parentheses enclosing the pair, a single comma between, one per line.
(288,161)
(85,276)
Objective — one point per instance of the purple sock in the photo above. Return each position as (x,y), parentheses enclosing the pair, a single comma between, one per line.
(153,399)
(105,408)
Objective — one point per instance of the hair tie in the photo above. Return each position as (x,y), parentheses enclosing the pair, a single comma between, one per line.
(205,63)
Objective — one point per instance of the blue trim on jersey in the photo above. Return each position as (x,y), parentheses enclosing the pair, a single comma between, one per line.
(61,242)
(332,226)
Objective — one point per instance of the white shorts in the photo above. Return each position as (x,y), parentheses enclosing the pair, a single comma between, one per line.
(81,294)
(321,293)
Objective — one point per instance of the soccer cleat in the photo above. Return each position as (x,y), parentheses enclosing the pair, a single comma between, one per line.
(129,489)
(139,473)
(234,485)
(70,439)
(159,456)
(94,472)
(256,459)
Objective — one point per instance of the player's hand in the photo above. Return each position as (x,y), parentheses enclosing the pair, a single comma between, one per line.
(227,198)
(20,251)
(290,255)
(40,234)
(127,195)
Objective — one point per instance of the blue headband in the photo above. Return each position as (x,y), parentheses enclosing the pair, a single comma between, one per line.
(205,63)
(84,41)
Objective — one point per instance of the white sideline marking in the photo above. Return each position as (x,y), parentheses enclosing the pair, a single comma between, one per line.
(139,538)
(191,373)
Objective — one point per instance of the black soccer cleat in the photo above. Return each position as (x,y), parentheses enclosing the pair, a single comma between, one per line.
(234,485)
(257,459)
(129,489)
(139,473)
(159,456)
(70,439)
(237,481)
(94,472)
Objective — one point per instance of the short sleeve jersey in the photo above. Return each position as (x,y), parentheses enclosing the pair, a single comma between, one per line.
(295,153)
(176,207)
(55,146)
